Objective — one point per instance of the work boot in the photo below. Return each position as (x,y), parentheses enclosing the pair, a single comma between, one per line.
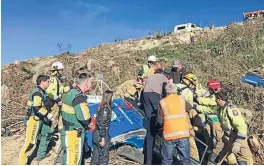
(41,158)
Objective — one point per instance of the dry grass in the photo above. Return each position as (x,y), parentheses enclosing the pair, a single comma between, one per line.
(226,56)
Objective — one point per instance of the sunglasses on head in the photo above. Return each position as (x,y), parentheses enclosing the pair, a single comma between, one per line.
(84,75)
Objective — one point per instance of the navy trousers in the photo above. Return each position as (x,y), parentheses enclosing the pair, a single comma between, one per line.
(151,106)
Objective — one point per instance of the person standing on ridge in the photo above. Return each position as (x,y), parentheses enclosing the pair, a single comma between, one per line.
(191,37)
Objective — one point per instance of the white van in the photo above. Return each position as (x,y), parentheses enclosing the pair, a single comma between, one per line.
(186,27)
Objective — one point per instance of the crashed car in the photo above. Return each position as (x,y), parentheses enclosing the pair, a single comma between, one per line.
(127,132)
(126,129)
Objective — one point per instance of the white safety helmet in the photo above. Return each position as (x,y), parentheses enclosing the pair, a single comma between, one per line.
(152,58)
(57,66)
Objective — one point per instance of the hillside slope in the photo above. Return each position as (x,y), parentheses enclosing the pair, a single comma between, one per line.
(225,54)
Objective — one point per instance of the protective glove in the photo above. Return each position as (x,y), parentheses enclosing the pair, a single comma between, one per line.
(236,147)
(50,117)
(226,138)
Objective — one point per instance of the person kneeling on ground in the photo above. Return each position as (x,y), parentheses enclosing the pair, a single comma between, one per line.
(175,127)
(101,138)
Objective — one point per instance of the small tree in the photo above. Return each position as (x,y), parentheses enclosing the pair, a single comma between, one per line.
(64,49)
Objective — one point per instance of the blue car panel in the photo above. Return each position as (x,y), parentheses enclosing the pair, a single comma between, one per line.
(126,126)
(253,79)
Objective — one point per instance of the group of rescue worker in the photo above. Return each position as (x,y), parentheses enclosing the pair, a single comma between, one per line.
(171,100)
(53,107)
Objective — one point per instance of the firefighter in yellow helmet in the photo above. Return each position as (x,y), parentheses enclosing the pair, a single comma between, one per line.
(56,88)
(187,87)
(235,148)
(186,90)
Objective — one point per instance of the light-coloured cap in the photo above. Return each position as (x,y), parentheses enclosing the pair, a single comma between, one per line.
(176,63)
(152,58)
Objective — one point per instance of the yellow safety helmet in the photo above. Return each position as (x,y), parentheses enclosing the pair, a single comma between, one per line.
(190,78)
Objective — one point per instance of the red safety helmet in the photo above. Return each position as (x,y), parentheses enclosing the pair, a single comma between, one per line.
(214,85)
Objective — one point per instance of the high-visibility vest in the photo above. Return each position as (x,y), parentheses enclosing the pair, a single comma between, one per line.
(175,118)
(145,69)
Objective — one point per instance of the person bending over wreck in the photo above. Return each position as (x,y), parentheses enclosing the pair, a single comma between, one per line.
(101,138)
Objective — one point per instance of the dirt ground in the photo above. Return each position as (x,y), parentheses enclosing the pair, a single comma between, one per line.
(11,147)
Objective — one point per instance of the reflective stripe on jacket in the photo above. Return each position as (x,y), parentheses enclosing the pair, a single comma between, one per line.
(75,111)
(185,92)
(175,119)
(56,88)
(232,120)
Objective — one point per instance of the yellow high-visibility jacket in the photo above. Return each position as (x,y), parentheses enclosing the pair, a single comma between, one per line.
(56,88)
(147,71)
(230,117)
